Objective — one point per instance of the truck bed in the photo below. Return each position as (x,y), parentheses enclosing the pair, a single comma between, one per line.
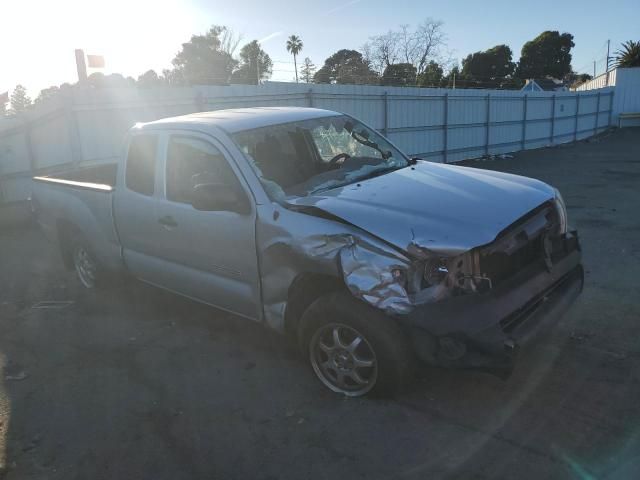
(79,202)
(97,177)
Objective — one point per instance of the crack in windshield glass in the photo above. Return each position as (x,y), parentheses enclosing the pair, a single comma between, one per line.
(308,156)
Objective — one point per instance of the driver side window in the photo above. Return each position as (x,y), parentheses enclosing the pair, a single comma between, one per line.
(190,162)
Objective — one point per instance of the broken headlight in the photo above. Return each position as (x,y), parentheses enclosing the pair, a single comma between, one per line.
(561,211)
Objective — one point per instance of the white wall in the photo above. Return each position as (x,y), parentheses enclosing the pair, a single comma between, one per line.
(626,82)
(436,124)
(627,98)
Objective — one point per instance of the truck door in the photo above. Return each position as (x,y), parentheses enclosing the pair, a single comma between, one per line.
(135,205)
(208,255)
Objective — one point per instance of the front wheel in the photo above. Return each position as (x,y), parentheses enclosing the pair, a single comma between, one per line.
(353,348)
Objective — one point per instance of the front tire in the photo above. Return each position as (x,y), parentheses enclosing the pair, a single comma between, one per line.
(353,348)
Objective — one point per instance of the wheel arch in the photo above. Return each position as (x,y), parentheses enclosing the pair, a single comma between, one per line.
(66,231)
(303,291)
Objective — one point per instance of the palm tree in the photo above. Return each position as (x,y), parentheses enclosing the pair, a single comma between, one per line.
(294,45)
(628,55)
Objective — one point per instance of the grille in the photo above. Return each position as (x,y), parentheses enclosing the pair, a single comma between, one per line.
(499,266)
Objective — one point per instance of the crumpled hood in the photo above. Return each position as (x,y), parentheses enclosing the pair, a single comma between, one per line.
(443,208)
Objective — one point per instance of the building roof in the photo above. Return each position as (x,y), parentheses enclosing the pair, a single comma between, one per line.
(546,84)
(239,119)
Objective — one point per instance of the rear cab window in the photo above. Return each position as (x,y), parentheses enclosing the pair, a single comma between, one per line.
(140,172)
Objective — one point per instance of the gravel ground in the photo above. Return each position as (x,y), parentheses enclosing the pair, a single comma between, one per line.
(137,383)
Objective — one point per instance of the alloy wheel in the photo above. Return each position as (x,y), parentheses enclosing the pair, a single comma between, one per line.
(343,359)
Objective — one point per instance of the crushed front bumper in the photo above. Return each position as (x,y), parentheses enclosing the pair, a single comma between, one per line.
(486,330)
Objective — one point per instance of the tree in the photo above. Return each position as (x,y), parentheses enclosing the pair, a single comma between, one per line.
(428,40)
(208,58)
(149,79)
(628,55)
(46,94)
(453,77)
(399,75)
(172,77)
(547,55)
(294,46)
(346,67)
(417,47)
(574,79)
(115,80)
(381,51)
(255,65)
(19,100)
(307,70)
(433,75)
(490,68)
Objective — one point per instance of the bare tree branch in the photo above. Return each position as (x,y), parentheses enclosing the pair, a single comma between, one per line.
(417,47)
(382,50)
(229,41)
(429,39)
(407,44)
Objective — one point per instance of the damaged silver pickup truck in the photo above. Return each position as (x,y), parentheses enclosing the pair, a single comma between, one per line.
(313,223)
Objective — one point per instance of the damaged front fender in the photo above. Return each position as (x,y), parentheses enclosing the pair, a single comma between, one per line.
(376,277)
(291,244)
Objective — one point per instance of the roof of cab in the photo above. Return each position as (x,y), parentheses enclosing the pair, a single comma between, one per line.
(239,119)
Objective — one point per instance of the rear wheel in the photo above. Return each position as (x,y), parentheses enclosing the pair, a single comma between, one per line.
(353,348)
(84,263)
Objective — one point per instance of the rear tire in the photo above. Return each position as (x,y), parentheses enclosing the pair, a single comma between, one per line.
(353,348)
(85,263)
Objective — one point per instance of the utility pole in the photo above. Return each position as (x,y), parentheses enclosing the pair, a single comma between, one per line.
(81,66)
(454,80)
(594,69)
(607,67)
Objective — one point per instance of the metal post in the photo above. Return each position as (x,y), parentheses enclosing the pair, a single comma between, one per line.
(486,138)
(595,127)
(446,126)
(611,93)
(553,119)
(524,120)
(310,97)
(29,147)
(575,125)
(386,114)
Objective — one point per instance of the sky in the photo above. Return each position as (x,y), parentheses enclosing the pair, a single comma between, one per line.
(38,37)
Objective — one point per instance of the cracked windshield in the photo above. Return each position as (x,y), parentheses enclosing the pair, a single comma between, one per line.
(306,157)
(347,239)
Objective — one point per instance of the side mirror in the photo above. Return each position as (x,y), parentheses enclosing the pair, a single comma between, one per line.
(211,197)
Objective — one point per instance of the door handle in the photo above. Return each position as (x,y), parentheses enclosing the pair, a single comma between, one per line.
(167,221)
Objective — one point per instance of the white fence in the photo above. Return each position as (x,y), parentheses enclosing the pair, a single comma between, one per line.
(603,80)
(87,126)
